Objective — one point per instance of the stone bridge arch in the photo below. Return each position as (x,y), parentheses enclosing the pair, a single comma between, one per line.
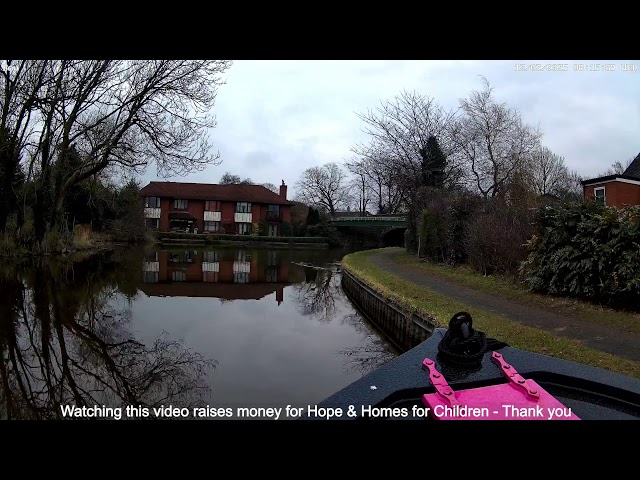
(392,237)
(372,231)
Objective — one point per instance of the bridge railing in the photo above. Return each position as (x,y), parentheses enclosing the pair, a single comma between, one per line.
(367,219)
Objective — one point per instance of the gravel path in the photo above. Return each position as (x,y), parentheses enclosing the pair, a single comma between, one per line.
(603,338)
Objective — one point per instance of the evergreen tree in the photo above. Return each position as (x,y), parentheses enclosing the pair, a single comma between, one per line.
(433,165)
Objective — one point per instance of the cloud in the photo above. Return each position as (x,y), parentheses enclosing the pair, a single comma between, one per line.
(277,118)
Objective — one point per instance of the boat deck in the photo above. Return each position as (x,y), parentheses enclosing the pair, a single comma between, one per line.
(591,393)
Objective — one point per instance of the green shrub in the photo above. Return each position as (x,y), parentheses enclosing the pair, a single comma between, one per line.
(446,217)
(432,235)
(586,250)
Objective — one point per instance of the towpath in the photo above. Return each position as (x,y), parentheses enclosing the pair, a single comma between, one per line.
(599,337)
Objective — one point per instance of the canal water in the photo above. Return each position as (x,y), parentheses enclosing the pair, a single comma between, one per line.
(215,330)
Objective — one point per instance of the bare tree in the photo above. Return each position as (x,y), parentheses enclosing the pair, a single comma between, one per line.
(401,128)
(230,179)
(382,189)
(317,297)
(271,186)
(66,341)
(82,117)
(375,352)
(359,184)
(547,171)
(616,168)
(324,186)
(492,140)
(389,195)
(571,189)
(20,83)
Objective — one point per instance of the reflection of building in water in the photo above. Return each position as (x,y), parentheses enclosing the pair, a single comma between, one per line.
(151,268)
(241,267)
(223,274)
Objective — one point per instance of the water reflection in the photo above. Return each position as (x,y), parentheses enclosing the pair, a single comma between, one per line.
(369,355)
(316,296)
(64,342)
(224,274)
(137,327)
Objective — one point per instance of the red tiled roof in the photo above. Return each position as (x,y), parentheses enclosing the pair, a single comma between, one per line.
(212,191)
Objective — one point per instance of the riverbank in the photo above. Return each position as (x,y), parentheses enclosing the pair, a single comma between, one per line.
(58,245)
(99,242)
(417,291)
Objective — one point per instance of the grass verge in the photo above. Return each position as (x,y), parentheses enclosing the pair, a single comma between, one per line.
(513,289)
(515,334)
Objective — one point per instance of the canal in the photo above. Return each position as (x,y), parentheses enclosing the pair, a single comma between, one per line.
(187,328)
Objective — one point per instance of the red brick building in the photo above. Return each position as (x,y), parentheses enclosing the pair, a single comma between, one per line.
(212,208)
(615,190)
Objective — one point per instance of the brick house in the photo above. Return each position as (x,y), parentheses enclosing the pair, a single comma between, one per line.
(212,208)
(615,190)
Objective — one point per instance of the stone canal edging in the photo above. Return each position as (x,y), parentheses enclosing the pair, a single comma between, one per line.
(403,327)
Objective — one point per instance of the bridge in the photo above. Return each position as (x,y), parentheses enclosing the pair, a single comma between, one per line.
(378,230)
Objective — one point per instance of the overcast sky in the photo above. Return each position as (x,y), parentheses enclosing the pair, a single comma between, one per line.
(277,118)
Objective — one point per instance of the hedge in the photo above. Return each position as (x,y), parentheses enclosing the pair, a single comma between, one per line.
(586,250)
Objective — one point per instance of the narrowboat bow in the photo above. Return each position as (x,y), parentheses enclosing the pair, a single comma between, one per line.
(460,374)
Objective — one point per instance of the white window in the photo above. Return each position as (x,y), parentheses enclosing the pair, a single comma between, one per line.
(151,277)
(241,277)
(243,207)
(152,202)
(211,256)
(273,213)
(211,226)
(599,193)
(178,276)
(180,204)
(243,228)
(212,205)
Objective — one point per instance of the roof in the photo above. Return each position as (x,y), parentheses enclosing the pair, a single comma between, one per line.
(631,173)
(633,170)
(609,178)
(212,191)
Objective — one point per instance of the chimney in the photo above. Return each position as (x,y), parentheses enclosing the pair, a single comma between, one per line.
(283,191)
